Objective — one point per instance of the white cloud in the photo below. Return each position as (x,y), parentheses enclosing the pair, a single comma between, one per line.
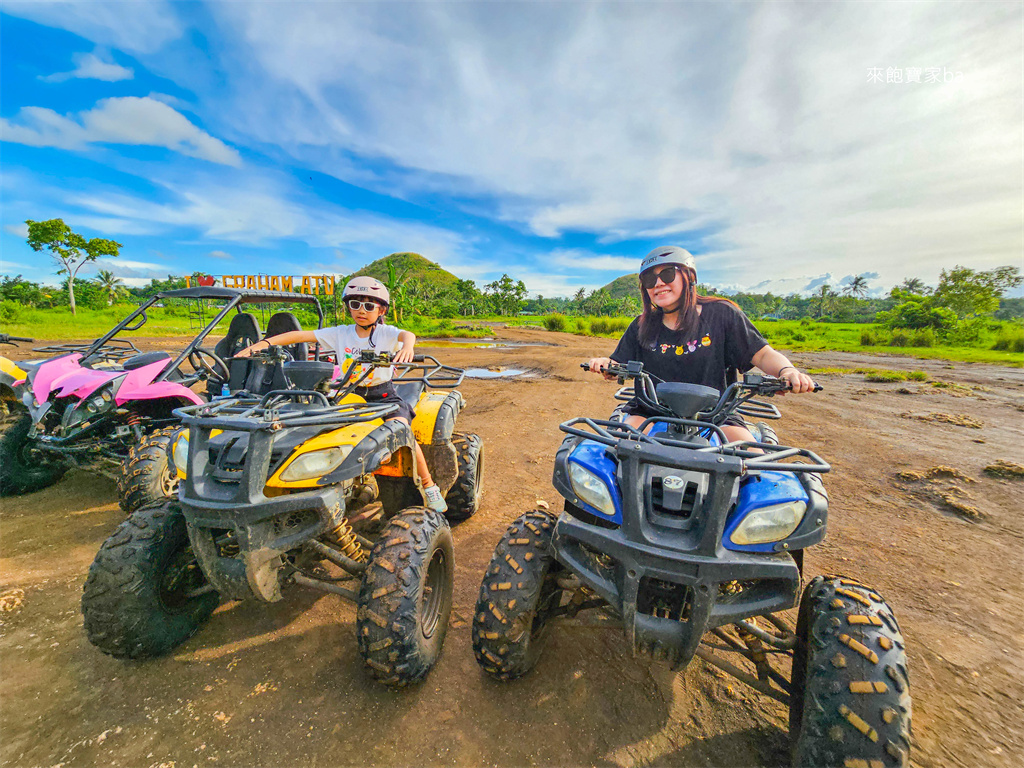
(143,27)
(755,122)
(127,120)
(18,230)
(219,255)
(91,66)
(136,272)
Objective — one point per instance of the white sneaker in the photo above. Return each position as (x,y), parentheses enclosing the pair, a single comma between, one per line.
(434,499)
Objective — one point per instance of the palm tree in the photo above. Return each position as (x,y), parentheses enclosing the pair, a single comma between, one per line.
(824,300)
(914,285)
(109,284)
(857,287)
(396,287)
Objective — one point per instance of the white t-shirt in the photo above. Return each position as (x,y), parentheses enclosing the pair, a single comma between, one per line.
(342,339)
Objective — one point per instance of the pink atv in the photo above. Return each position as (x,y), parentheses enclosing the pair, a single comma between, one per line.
(95,403)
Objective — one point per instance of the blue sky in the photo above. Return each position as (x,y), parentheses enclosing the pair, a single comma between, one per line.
(557,142)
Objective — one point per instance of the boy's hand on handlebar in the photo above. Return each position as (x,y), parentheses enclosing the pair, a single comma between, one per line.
(600,365)
(799,382)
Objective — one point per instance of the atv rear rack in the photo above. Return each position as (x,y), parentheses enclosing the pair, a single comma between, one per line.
(113,349)
(758,457)
(755,409)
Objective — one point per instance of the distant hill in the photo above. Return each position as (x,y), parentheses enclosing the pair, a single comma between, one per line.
(624,286)
(420,269)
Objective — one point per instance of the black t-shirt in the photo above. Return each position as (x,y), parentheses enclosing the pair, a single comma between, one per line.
(724,340)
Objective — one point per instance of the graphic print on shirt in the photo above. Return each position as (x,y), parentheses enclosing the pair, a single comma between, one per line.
(687,348)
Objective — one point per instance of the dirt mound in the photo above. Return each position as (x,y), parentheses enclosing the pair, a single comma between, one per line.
(1005,469)
(950,497)
(956,419)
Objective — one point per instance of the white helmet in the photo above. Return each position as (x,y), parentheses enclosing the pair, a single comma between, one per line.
(367,288)
(668,254)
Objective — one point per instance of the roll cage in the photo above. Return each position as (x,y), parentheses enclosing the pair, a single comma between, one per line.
(117,350)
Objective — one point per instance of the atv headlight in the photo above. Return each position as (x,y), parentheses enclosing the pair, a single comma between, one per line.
(591,489)
(315,463)
(769,523)
(179,454)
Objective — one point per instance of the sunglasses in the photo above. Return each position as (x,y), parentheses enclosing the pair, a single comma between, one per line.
(650,278)
(369,306)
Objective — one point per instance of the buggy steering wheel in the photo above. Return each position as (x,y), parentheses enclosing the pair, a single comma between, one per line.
(197,357)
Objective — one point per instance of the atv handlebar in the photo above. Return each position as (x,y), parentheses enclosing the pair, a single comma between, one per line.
(8,339)
(737,396)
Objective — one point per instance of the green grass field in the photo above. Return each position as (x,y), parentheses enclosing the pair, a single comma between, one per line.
(785,335)
(814,336)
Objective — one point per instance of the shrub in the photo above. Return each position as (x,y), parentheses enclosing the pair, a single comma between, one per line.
(899,338)
(1010,339)
(917,376)
(805,321)
(599,326)
(555,322)
(923,338)
(798,336)
(868,339)
(886,376)
(10,311)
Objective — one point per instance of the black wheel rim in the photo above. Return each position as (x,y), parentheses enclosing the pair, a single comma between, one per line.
(179,580)
(169,480)
(434,588)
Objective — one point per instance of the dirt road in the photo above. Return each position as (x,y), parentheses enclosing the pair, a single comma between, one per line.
(283,685)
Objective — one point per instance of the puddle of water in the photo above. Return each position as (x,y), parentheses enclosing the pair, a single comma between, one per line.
(482,343)
(486,373)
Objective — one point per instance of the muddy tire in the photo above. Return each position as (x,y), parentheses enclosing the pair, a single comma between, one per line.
(509,625)
(148,475)
(851,693)
(145,592)
(406,597)
(464,497)
(765,434)
(19,472)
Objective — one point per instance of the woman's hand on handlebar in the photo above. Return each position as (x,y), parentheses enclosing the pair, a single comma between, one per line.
(600,365)
(799,382)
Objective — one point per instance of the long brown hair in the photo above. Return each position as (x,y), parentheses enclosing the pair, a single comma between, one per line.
(653,316)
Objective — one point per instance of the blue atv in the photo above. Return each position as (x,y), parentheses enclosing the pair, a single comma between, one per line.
(694,545)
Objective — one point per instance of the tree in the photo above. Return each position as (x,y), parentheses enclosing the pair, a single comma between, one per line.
(110,285)
(824,300)
(857,287)
(507,295)
(968,292)
(69,249)
(914,286)
(396,287)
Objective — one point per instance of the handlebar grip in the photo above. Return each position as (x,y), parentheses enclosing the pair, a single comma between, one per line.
(585,366)
(419,358)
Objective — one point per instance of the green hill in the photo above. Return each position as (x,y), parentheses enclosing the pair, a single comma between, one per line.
(624,286)
(421,270)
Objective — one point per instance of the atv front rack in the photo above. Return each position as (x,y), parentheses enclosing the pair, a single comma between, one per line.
(758,457)
(247,414)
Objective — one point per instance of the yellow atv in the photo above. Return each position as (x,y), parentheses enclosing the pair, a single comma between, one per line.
(269,490)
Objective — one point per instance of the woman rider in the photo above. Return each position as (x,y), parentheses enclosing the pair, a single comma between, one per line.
(692,339)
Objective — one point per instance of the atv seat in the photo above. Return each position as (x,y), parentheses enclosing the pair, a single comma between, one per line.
(686,400)
(144,358)
(307,374)
(410,391)
(284,322)
(243,331)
